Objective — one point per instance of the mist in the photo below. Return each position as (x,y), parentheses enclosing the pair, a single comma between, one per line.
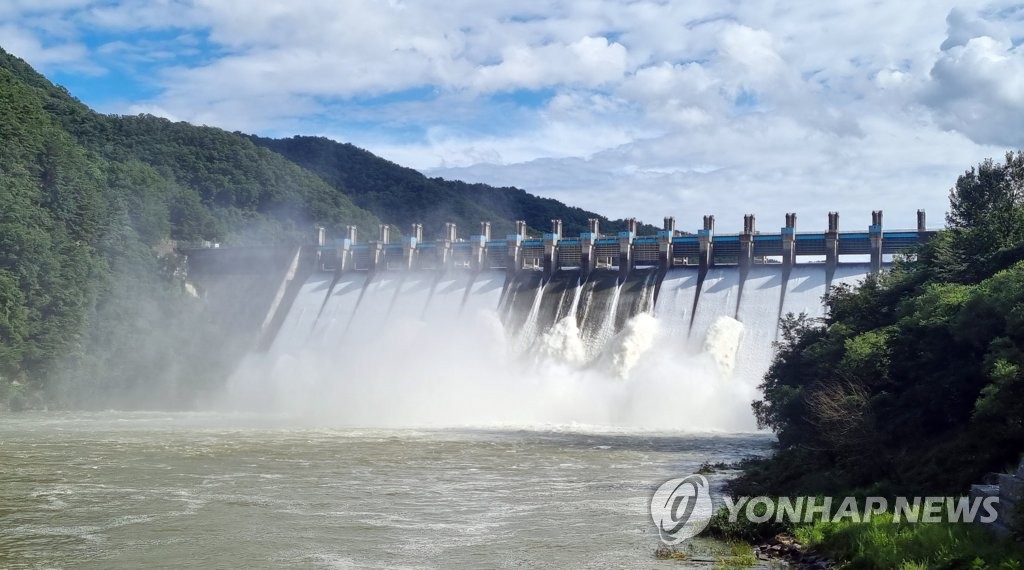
(412,351)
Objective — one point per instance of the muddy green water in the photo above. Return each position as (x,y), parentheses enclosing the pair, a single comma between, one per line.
(145,490)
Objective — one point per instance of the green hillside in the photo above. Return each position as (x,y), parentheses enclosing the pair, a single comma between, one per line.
(223,187)
(92,306)
(403,196)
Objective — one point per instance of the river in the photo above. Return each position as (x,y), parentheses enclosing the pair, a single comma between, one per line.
(167,490)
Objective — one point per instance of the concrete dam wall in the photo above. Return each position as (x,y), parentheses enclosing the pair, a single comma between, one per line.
(645,333)
(247,291)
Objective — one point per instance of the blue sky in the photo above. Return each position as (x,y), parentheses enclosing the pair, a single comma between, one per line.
(644,108)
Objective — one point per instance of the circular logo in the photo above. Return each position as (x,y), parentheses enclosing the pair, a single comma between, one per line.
(681,508)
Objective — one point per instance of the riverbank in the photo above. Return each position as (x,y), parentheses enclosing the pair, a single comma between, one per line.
(880,542)
(883,543)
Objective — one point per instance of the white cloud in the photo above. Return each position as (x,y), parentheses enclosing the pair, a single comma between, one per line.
(648,107)
(29,47)
(588,62)
(754,50)
(978,89)
(759,164)
(963,26)
(145,14)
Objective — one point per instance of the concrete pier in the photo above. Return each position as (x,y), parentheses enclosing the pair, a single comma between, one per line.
(514,245)
(377,253)
(588,240)
(626,248)
(478,257)
(788,235)
(445,258)
(550,263)
(707,251)
(337,256)
(665,242)
(746,256)
(831,247)
(409,244)
(875,233)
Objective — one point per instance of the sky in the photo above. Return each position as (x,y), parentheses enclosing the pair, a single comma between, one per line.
(628,108)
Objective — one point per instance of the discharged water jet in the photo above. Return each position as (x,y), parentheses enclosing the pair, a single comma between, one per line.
(568,351)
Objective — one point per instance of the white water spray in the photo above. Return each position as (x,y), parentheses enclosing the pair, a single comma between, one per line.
(722,342)
(437,368)
(634,341)
(528,332)
(563,343)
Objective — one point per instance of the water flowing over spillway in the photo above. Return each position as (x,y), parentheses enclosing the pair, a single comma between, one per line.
(411,348)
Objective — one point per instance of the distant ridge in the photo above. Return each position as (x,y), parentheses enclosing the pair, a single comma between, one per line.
(404,196)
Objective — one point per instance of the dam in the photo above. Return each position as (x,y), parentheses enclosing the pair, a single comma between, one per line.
(553,328)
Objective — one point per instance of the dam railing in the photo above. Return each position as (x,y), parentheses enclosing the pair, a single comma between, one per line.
(621,251)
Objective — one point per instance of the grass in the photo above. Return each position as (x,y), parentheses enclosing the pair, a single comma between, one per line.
(724,555)
(881,543)
(741,555)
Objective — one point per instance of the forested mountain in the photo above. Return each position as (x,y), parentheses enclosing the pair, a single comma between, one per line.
(221,185)
(92,309)
(92,306)
(404,196)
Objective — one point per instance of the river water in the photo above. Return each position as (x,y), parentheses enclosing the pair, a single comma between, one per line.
(159,490)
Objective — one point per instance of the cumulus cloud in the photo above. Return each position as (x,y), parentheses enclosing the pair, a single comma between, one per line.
(963,26)
(753,50)
(588,62)
(977,84)
(27,45)
(760,164)
(629,108)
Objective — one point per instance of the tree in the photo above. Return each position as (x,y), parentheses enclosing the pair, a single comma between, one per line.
(914,378)
(986,218)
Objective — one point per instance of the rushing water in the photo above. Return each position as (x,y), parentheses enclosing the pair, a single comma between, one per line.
(169,490)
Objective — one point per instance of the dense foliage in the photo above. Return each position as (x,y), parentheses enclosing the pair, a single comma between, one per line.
(91,309)
(403,196)
(915,379)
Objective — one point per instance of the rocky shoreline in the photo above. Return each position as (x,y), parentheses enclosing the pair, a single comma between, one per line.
(784,548)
